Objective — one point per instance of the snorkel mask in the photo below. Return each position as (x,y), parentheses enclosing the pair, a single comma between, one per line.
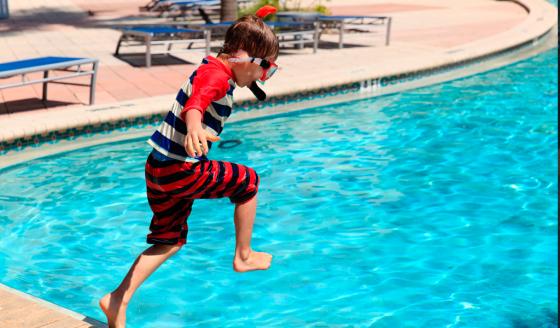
(268,68)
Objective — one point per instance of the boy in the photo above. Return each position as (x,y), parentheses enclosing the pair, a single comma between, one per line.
(177,169)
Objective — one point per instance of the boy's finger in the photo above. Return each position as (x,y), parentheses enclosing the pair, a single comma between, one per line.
(189,148)
(204,145)
(212,137)
(196,144)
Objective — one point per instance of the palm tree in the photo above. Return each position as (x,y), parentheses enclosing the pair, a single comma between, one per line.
(228,10)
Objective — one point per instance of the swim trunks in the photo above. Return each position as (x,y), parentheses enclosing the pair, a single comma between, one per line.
(173,185)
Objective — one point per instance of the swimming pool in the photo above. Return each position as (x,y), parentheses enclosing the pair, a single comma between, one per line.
(430,208)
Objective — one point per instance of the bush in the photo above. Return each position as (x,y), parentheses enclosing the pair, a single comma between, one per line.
(318,7)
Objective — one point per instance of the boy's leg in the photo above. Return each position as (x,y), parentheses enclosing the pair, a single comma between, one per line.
(245,258)
(115,303)
(240,184)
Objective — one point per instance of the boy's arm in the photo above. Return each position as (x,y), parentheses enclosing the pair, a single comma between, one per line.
(206,87)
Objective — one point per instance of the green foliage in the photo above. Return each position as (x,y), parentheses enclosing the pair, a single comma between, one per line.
(322,9)
(293,6)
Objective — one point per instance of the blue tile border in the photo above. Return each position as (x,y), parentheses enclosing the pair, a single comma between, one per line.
(154,120)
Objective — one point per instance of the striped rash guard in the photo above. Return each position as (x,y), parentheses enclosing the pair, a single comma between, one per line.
(208,90)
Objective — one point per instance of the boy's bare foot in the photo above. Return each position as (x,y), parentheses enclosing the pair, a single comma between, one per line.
(251,261)
(114,309)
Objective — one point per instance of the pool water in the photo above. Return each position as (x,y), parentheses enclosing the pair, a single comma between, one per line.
(431,208)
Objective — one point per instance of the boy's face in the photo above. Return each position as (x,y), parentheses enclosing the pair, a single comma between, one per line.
(245,73)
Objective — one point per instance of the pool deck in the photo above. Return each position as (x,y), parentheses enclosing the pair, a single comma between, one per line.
(18,309)
(426,34)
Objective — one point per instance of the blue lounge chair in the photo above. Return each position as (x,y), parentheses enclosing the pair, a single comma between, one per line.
(163,35)
(156,5)
(342,23)
(289,33)
(184,7)
(46,64)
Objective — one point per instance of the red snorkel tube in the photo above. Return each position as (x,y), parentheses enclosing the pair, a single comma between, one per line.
(254,87)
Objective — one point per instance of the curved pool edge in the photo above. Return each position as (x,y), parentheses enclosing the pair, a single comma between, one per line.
(57,315)
(133,119)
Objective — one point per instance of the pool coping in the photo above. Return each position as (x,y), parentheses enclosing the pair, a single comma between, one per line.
(79,319)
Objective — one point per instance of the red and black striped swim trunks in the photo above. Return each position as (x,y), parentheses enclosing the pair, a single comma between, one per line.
(172,187)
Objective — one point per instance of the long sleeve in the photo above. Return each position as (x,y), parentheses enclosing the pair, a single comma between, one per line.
(207,86)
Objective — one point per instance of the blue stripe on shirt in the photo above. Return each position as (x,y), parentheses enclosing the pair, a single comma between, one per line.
(182,98)
(213,123)
(222,110)
(193,75)
(176,122)
(168,144)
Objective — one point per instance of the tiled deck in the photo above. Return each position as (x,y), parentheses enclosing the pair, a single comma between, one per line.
(430,25)
(19,310)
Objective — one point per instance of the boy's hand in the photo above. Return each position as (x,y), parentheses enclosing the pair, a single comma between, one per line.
(196,138)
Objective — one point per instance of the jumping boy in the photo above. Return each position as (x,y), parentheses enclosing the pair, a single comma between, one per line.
(177,169)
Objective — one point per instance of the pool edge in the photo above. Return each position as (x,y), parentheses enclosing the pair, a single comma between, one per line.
(26,298)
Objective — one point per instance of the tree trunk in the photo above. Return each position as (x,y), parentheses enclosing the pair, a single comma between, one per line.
(228,10)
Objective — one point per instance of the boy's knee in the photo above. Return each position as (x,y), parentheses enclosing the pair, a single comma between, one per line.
(257,179)
(246,190)
(253,185)
(169,248)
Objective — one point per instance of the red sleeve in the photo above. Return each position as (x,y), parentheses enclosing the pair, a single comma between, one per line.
(207,86)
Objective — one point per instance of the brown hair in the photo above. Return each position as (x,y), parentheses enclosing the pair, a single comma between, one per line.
(251,34)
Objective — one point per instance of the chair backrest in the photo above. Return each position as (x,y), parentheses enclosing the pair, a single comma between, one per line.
(295,16)
(205,16)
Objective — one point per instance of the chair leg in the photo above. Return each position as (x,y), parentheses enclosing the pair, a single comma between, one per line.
(341,35)
(316,37)
(148,41)
(92,85)
(388,32)
(118,46)
(45,75)
(208,37)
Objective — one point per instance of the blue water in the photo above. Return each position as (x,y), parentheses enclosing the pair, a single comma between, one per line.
(431,208)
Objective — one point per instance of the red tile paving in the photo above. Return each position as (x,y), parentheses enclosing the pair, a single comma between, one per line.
(79,34)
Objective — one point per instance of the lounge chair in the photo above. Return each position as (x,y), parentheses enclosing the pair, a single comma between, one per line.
(167,36)
(297,33)
(289,33)
(46,64)
(343,23)
(184,7)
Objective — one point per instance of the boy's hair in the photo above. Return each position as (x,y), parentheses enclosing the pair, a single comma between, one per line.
(251,34)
